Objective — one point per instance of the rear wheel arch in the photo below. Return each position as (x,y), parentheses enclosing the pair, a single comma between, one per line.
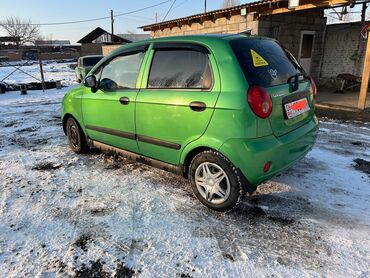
(189,157)
(194,152)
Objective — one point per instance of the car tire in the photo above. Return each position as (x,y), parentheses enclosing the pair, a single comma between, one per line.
(215,181)
(76,137)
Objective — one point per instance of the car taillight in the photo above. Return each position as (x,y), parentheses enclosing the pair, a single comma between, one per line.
(314,88)
(259,101)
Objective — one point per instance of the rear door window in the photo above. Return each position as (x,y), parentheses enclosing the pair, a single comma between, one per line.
(180,69)
(264,62)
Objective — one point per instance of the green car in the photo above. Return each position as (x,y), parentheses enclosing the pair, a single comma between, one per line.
(227,112)
(85,64)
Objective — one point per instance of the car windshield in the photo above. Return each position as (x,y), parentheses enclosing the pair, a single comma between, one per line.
(264,62)
(91,61)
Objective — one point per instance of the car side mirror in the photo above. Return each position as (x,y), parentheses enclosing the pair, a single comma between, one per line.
(90,82)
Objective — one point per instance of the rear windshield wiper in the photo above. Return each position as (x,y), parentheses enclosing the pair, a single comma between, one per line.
(295,79)
(294,61)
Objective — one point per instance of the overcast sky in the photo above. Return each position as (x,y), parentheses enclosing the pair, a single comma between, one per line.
(41,11)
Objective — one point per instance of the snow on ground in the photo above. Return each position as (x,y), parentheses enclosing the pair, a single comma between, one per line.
(52,71)
(63,214)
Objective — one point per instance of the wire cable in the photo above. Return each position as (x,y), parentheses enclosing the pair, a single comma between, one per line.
(94,19)
(174,1)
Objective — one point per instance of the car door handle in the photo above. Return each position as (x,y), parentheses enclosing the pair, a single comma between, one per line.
(197,106)
(124,100)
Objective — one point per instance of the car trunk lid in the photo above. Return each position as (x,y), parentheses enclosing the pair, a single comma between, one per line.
(266,64)
(291,109)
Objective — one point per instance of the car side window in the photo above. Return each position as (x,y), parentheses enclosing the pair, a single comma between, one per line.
(180,69)
(121,72)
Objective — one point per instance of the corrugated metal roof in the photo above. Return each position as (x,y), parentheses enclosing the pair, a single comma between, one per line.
(235,8)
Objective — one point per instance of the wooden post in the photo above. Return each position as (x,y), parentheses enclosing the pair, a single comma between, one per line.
(41,71)
(365,75)
(23,89)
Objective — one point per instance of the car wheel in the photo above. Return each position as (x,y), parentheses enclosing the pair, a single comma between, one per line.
(215,181)
(76,137)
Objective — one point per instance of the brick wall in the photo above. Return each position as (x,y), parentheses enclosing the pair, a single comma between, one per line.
(232,24)
(109,48)
(342,41)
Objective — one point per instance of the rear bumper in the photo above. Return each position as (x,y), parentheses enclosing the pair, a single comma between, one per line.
(250,155)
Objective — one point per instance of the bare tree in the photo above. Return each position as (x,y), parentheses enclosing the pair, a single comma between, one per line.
(229,3)
(22,31)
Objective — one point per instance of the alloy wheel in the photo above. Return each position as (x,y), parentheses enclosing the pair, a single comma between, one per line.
(212,183)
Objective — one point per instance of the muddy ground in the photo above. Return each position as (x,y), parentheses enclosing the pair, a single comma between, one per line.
(98,215)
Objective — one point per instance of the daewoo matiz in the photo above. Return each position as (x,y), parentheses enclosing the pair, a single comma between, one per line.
(227,112)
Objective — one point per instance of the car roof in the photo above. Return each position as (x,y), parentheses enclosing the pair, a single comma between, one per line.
(92,56)
(206,39)
(203,38)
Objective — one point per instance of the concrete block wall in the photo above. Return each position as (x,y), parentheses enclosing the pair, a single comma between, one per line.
(341,42)
(106,49)
(59,55)
(12,55)
(91,49)
(286,28)
(230,25)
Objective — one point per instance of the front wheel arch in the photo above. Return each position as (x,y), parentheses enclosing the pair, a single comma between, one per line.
(64,122)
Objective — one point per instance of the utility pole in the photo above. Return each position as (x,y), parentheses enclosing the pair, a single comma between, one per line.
(205,6)
(156,18)
(112,23)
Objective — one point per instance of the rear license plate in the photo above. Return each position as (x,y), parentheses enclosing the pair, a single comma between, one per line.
(295,108)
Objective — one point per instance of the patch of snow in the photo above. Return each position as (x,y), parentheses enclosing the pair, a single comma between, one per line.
(63,214)
(52,71)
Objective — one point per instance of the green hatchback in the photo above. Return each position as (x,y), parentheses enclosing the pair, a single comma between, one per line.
(227,112)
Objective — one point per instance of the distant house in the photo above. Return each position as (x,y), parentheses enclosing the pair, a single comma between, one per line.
(95,41)
(135,37)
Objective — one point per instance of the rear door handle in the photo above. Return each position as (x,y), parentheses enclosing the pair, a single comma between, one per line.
(124,100)
(197,106)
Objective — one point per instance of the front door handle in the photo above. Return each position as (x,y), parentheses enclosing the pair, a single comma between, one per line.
(124,100)
(197,106)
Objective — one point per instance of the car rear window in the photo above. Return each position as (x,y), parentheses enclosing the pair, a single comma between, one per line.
(264,62)
(91,61)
